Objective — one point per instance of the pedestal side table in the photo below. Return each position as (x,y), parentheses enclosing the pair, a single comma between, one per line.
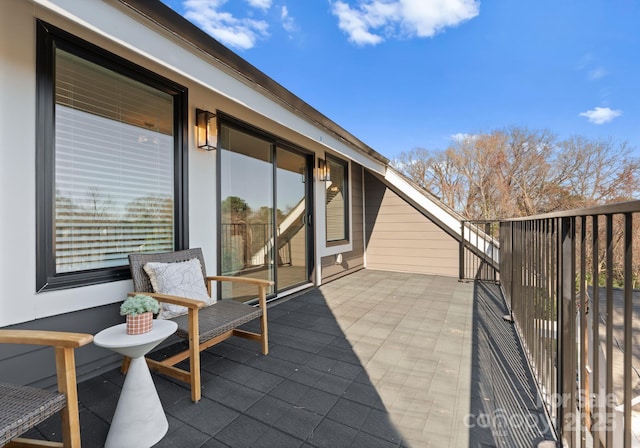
(139,420)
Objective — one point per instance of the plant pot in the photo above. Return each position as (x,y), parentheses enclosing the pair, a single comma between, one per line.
(140,323)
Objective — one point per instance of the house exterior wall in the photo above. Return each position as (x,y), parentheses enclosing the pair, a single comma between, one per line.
(400,238)
(352,260)
(211,85)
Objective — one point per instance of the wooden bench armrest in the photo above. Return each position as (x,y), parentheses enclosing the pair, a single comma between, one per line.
(48,338)
(175,300)
(251,281)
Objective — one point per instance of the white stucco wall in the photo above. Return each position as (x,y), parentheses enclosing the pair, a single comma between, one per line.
(114,27)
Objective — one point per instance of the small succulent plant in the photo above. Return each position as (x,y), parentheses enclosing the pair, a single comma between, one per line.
(139,304)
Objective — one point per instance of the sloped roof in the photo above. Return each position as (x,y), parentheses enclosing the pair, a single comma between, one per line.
(174,23)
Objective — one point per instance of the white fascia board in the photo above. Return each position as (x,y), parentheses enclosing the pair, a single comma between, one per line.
(111,23)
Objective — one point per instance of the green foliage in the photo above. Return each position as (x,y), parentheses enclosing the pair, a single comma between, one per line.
(235,209)
(139,304)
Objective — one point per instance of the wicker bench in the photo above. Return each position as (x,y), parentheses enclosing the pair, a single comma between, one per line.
(203,326)
(24,407)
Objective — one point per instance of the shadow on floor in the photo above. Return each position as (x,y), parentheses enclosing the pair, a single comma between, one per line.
(311,391)
(505,410)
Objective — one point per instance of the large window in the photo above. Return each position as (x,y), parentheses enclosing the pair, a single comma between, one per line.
(110,161)
(337,205)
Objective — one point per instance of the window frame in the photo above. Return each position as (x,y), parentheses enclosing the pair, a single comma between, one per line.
(347,206)
(50,38)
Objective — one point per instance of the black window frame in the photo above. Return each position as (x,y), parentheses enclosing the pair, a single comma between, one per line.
(346,192)
(50,38)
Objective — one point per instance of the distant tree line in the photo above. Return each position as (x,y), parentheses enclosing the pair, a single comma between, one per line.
(519,172)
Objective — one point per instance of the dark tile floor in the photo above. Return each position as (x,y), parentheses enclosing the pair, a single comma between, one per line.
(375,359)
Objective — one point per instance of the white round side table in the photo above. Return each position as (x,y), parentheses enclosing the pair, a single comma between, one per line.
(139,420)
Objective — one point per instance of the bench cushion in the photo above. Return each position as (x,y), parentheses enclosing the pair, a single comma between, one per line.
(222,316)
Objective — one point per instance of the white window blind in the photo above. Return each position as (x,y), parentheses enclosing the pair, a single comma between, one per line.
(114,183)
(336,203)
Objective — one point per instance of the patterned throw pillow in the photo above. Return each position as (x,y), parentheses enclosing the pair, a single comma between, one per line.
(182,279)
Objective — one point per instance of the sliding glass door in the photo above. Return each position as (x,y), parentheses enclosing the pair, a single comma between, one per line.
(264,216)
(292,218)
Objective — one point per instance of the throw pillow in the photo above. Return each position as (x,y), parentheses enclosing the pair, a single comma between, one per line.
(182,279)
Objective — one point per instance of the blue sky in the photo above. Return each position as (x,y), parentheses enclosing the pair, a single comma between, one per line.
(400,74)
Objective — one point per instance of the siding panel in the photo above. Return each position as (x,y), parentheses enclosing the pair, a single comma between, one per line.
(35,365)
(400,238)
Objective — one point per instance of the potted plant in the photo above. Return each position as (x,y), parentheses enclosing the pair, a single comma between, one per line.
(139,310)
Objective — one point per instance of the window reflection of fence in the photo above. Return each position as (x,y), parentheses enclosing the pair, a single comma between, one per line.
(246,246)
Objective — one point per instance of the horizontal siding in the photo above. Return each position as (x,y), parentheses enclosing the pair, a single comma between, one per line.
(35,365)
(415,228)
(400,238)
(425,242)
(406,253)
(354,259)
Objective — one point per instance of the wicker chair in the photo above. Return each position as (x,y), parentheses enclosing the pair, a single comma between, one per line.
(203,326)
(23,407)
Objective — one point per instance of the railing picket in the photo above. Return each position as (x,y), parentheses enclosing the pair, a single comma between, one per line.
(583,337)
(610,409)
(462,275)
(595,325)
(566,333)
(555,244)
(628,324)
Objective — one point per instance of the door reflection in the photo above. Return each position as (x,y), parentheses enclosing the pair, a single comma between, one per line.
(291,219)
(246,211)
(253,241)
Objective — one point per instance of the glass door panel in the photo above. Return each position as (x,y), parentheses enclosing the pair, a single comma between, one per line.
(291,219)
(246,211)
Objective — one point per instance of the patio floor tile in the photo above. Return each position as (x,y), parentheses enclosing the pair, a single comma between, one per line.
(374,359)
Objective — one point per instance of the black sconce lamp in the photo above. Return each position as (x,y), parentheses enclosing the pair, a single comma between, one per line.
(324,172)
(207,129)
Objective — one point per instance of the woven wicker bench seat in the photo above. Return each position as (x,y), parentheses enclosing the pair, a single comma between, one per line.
(218,319)
(23,407)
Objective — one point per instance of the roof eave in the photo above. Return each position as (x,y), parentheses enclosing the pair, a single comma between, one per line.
(165,17)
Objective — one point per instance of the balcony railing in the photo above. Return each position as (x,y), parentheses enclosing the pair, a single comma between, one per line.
(568,279)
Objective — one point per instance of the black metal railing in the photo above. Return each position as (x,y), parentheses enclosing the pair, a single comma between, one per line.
(568,279)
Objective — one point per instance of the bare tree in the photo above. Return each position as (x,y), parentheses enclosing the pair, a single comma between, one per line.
(518,172)
(597,171)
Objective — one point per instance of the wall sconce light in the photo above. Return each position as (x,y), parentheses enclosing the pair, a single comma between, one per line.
(207,129)
(324,172)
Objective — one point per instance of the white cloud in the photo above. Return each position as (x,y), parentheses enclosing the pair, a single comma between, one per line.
(355,24)
(601,115)
(597,73)
(261,4)
(288,23)
(372,21)
(236,32)
(462,137)
(585,61)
